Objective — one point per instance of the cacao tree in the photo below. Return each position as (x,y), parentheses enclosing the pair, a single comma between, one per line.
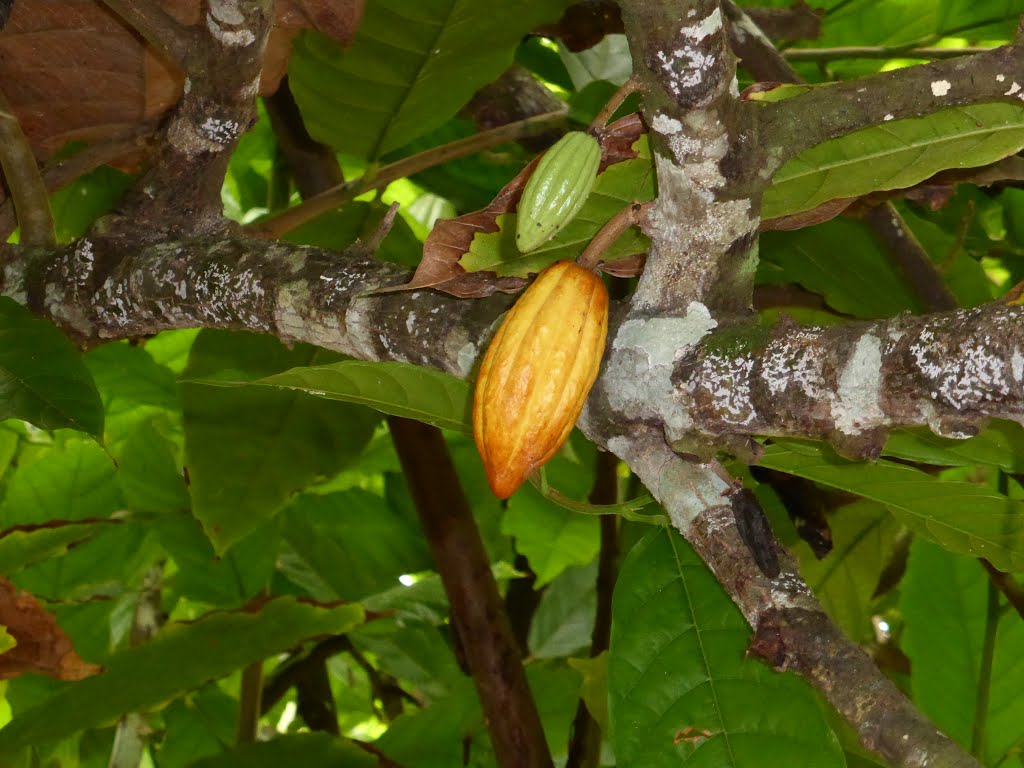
(254,254)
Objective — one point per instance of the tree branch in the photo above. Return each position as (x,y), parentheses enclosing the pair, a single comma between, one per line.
(477,611)
(827,112)
(877,52)
(21,173)
(157,27)
(310,208)
(792,631)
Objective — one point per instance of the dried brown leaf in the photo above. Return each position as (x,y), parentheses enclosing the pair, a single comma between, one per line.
(42,647)
(73,71)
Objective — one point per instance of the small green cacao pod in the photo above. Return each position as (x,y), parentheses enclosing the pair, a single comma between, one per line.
(556,191)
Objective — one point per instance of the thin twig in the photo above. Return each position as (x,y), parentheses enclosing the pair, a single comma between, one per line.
(1005,583)
(988,650)
(24,181)
(876,52)
(249,702)
(610,232)
(157,27)
(585,734)
(632,85)
(58,173)
(275,226)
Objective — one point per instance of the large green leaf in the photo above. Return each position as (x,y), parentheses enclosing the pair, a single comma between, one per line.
(133,387)
(551,537)
(895,155)
(200,724)
(413,64)
(248,449)
(681,688)
(564,618)
(1000,444)
(620,185)
(944,599)
(963,517)
(181,657)
(42,377)
(20,547)
(841,261)
(354,541)
(398,389)
(298,749)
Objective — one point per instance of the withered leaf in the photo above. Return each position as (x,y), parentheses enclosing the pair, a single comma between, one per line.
(73,71)
(42,647)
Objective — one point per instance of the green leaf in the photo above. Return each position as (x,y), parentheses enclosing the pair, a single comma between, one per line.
(74,481)
(227,581)
(201,724)
(895,155)
(339,229)
(551,537)
(840,260)
(943,599)
(412,651)
(678,670)
(181,657)
(564,618)
(150,478)
(77,205)
(1000,444)
(971,519)
(375,541)
(618,186)
(20,547)
(133,387)
(6,641)
(248,449)
(298,749)
(398,389)
(413,65)
(42,377)
(594,689)
(845,580)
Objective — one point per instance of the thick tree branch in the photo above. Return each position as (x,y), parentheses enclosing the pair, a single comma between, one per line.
(827,112)
(187,171)
(791,629)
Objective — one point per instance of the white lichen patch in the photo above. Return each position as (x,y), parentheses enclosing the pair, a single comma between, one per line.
(857,406)
(966,376)
(220,131)
(638,379)
(726,379)
(940,87)
(888,117)
(227,11)
(239,38)
(685,489)
(1017,364)
(705,28)
(1014,87)
(465,358)
(1000,78)
(796,362)
(665,124)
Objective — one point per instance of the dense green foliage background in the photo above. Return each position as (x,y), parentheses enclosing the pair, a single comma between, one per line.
(158,465)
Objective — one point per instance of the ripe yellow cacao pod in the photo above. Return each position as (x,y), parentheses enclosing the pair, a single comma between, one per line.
(537,372)
(557,189)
